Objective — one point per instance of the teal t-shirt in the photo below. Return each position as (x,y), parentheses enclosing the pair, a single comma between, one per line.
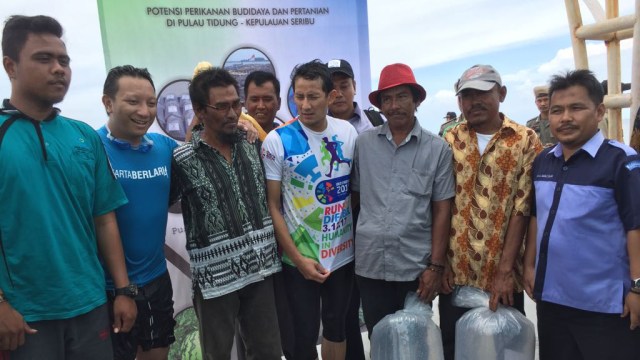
(51,188)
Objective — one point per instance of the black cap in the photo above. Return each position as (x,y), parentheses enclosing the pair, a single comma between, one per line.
(340,66)
(451,115)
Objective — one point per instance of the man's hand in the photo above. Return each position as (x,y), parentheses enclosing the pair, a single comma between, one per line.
(529,280)
(12,328)
(124,313)
(247,126)
(501,289)
(632,307)
(448,283)
(429,283)
(312,270)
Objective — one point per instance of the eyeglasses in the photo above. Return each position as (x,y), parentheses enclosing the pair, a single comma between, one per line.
(225,106)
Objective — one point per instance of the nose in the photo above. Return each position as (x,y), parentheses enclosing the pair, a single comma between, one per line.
(261,104)
(144,110)
(58,68)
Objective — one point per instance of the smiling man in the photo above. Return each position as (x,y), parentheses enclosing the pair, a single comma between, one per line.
(141,162)
(582,262)
(262,94)
(230,236)
(308,166)
(492,160)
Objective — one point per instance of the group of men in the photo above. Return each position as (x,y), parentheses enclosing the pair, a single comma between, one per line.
(329,207)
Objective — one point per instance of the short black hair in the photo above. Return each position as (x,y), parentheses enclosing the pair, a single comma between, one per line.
(207,79)
(582,77)
(312,70)
(18,27)
(260,77)
(111,82)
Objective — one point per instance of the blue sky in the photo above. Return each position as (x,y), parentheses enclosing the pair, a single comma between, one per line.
(526,41)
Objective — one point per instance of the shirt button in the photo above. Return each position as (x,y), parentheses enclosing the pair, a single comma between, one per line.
(565,168)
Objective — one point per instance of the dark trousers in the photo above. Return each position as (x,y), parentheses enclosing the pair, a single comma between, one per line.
(355,349)
(450,314)
(569,333)
(81,337)
(381,298)
(254,308)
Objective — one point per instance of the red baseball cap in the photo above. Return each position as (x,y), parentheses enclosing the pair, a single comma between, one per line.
(396,75)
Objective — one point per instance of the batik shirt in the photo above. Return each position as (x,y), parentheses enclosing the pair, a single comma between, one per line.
(314,169)
(490,189)
(230,237)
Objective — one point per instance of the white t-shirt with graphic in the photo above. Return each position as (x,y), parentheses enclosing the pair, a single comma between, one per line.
(314,169)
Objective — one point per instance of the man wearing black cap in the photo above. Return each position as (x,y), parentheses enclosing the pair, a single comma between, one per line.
(343,107)
(404,178)
(450,120)
(492,157)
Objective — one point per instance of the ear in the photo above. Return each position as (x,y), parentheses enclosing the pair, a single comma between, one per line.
(200,113)
(279,101)
(333,94)
(108,104)
(9,66)
(503,93)
(600,111)
(354,86)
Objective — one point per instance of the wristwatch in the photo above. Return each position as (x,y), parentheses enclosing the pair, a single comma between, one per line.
(130,290)
(635,286)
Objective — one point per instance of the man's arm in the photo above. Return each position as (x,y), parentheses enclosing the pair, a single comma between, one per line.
(530,256)
(110,247)
(431,277)
(310,269)
(12,327)
(632,300)
(502,286)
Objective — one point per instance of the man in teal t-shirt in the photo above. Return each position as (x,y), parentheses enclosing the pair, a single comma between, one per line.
(58,195)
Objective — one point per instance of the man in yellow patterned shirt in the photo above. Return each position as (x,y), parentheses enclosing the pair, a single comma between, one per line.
(492,157)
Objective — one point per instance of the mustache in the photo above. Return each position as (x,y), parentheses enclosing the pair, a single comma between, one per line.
(478,107)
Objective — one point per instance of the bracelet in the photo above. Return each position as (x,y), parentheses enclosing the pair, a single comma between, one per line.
(439,266)
(435,269)
(635,291)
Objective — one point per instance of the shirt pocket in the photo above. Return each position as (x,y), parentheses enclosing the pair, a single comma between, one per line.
(82,169)
(419,183)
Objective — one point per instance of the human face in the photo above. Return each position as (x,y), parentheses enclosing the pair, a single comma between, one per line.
(220,124)
(573,117)
(342,107)
(542,103)
(263,103)
(41,76)
(132,110)
(481,109)
(398,106)
(312,103)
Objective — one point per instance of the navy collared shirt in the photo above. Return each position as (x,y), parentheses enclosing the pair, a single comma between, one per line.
(584,208)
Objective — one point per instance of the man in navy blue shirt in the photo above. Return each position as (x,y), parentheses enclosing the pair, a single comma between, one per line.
(582,259)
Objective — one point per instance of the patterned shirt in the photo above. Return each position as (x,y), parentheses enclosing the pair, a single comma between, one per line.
(230,237)
(490,188)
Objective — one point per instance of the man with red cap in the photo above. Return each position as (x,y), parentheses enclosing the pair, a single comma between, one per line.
(492,157)
(403,175)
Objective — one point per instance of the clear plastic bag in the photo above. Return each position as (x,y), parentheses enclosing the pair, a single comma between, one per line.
(409,334)
(505,334)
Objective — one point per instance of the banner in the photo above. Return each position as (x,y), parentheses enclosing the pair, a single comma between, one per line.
(169,37)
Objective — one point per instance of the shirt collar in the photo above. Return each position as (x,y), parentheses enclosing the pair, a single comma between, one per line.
(145,143)
(7,105)
(591,146)
(416,131)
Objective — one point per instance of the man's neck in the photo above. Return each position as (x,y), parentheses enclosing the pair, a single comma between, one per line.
(489,128)
(133,140)
(33,109)
(219,143)
(345,115)
(399,133)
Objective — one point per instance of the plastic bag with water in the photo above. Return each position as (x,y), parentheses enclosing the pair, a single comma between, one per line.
(505,334)
(409,334)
